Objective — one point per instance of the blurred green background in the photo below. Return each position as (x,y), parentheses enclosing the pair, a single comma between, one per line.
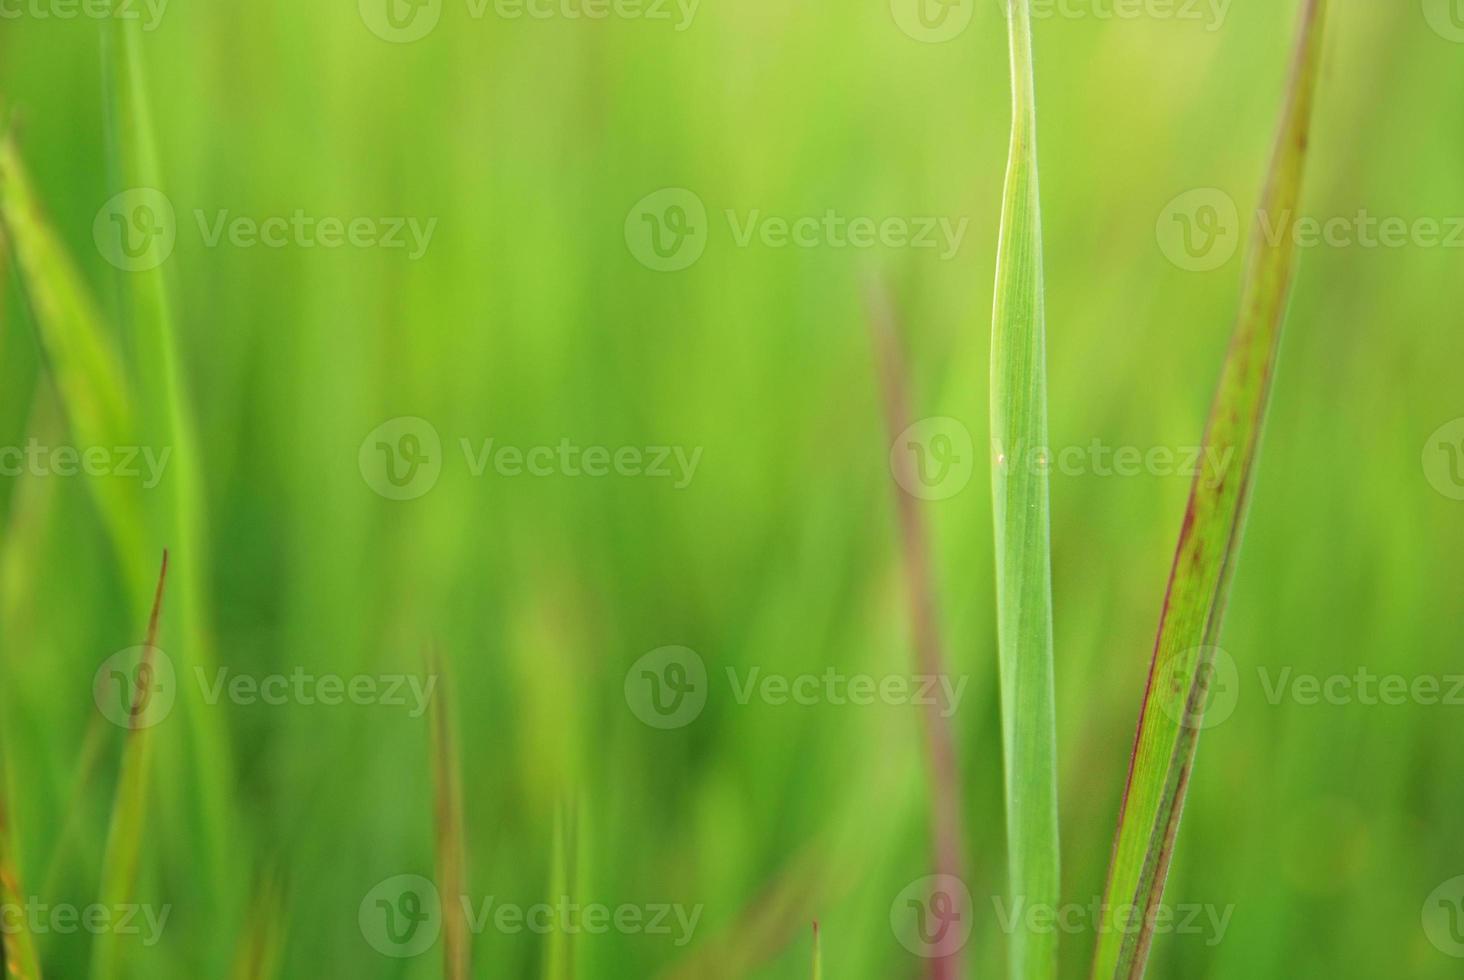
(534,316)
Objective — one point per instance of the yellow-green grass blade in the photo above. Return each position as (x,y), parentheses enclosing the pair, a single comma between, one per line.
(817,953)
(174,508)
(1022,535)
(129,809)
(260,945)
(451,849)
(1194,606)
(80,356)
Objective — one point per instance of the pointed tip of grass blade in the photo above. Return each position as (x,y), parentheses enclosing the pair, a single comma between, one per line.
(1021,525)
(1194,605)
(125,832)
(141,693)
(448,823)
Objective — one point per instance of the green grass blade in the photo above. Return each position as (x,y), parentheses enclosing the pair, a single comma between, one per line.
(817,953)
(559,963)
(129,810)
(1164,747)
(175,510)
(80,356)
(1022,536)
(451,848)
(260,945)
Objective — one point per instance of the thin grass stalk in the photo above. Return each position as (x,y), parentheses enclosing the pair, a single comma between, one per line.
(930,659)
(175,512)
(448,823)
(1204,563)
(129,810)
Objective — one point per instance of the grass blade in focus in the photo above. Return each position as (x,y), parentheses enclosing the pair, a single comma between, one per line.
(1022,536)
(1164,747)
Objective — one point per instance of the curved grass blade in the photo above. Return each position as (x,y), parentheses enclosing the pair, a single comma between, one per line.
(175,511)
(1022,535)
(80,355)
(124,835)
(1164,747)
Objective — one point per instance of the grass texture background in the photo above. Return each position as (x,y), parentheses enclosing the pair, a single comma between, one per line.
(529,320)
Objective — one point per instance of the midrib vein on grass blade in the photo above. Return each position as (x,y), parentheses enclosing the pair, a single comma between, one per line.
(1022,535)
(1194,605)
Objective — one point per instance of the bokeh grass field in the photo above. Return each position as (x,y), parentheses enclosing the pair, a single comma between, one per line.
(534,317)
